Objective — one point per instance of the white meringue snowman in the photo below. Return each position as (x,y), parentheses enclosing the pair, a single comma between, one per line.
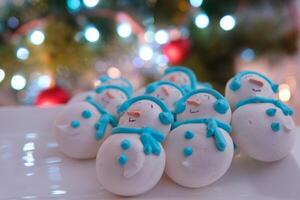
(201,85)
(263,128)
(132,160)
(81,128)
(166,91)
(248,84)
(110,97)
(121,82)
(182,76)
(80,97)
(198,152)
(203,103)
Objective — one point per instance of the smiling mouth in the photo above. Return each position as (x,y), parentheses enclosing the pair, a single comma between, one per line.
(131,120)
(193,111)
(256,90)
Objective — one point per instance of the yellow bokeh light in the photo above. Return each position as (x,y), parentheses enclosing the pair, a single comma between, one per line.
(284,92)
(113,72)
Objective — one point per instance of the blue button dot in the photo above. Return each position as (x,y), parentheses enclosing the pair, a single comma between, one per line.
(125,144)
(188,135)
(271,112)
(187,151)
(86,114)
(122,160)
(75,124)
(275,126)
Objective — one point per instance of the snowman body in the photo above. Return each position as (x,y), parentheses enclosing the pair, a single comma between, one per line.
(203,103)
(196,156)
(247,84)
(76,130)
(82,96)
(132,160)
(263,131)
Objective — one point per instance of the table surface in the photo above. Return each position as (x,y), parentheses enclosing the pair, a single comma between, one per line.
(31,167)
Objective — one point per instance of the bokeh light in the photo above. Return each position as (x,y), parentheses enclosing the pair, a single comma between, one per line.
(90,3)
(161,37)
(196,3)
(227,22)
(2,75)
(284,92)
(91,34)
(22,53)
(202,20)
(146,52)
(18,82)
(113,72)
(124,30)
(74,5)
(37,37)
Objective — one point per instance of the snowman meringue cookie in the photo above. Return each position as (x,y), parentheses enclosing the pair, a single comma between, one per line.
(263,128)
(82,96)
(248,84)
(166,91)
(110,97)
(81,128)
(198,152)
(203,103)
(182,76)
(201,85)
(121,82)
(132,160)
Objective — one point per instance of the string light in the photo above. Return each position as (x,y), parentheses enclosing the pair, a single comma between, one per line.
(13,22)
(124,30)
(196,3)
(227,22)
(2,75)
(284,92)
(91,34)
(146,52)
(161,37)
(37,37)
(18,82)
(202,20)
(113,72)
(90,3)
(22,53)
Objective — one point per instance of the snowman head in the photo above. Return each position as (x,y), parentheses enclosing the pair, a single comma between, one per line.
(78,119)
(248,84)
(182,76)
(145,111)
(275,111)
(121,82)
(203,103)
(166,91)
(110,97)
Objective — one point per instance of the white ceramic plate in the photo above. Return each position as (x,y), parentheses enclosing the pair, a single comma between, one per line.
(31,167)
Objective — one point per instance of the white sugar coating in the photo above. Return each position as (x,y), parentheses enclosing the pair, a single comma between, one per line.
(141,172)
(82,96)
(203,107)
(168,94)
(78,142)
(143,113)
(178,77)
(253,135)
(249,88)
(110,99)
(206,164)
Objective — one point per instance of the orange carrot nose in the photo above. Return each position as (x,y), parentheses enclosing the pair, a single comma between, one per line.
(110,95)
(193,102)
(173,78)
(165,90)
(134,113)
(256,82)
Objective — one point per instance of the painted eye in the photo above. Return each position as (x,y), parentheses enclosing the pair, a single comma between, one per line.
(75,124)
(86,114)
(207,96)
(151,105)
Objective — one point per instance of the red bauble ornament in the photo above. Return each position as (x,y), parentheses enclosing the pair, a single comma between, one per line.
(52,96)
(177,50)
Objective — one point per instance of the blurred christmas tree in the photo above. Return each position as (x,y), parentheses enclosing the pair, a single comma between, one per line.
(72,42)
